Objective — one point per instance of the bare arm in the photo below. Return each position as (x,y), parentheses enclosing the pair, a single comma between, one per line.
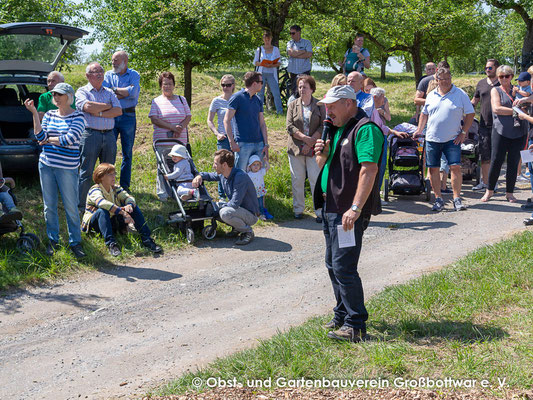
(229,132)
(475,101)
(122,93)
(163,124)
(496,104)
(420,98)
(385,111)
(366,63)
(468,119)
(111,113)
(211,125)
(421,125)
(93,107)
(263,126)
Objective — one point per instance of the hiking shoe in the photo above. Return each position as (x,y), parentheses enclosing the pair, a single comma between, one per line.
(438,205)
(77,250)
(152,246)
(114,250)
(480,186)
(458,204)
(332,325)
(51,248)
(349,334)
(245,238)
(528,221)
(528,205)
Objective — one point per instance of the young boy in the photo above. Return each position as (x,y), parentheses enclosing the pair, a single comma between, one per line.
(182,171)
(524,85)
(8,211)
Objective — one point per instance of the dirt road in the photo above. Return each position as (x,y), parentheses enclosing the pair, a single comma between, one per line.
(118,332)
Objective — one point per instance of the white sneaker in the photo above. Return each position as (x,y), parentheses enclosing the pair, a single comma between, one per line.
(458,204)
(480,186)
(522,178)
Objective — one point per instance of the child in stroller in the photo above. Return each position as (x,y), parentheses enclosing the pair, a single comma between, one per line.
(8,211)
(182,173)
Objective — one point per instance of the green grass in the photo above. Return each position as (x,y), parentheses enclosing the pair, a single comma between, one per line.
(472,320)
(16,269)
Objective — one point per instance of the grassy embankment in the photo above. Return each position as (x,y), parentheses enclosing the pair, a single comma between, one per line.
(471,322)
(16,269)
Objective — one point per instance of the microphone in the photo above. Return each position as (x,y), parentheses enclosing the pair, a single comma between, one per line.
(328,126)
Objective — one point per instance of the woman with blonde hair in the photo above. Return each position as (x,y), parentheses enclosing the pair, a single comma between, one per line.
(338,80)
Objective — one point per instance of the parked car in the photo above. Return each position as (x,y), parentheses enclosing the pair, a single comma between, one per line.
(29,51)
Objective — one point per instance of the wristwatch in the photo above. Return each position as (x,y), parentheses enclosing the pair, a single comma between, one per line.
(356,209)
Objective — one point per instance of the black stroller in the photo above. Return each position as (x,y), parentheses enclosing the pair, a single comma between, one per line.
(192,213)
(26,241)
(470,154)
(406,169)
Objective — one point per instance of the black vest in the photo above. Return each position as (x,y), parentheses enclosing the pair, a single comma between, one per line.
(344,174)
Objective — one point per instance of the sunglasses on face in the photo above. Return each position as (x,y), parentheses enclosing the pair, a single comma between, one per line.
(488,68)
(504,76)
(293,33)
(226,84)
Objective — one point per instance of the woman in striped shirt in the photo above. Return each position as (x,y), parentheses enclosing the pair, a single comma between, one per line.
(59,134)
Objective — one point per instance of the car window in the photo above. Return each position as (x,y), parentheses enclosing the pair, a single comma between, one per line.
(29,47)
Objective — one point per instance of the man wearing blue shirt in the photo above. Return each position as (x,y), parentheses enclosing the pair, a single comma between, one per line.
(125,82)
(364,100)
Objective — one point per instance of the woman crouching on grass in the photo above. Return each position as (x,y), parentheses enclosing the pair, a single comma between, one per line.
(110,208)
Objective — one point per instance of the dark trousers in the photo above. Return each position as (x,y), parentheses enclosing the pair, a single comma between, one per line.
(342,268)
(104,223)
(502,146)
(294,79)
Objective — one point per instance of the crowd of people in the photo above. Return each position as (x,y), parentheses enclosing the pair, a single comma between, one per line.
(338,143)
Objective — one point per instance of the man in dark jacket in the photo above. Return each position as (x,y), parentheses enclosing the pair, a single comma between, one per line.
(242,209)
(348,192)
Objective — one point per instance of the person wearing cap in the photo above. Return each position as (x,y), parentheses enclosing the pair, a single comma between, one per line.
(125,83)
(100,106)
(524,85)
(45,100)
(348,193)
(241,210)
(182,172)
(59,134)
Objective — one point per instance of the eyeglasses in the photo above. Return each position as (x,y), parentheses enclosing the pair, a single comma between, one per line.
(488,68)
(261,82)
(505,76)
(96,73)
(226,84)
(293,33)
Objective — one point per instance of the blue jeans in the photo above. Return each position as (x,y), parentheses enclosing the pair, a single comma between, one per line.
(125,126)
(383,165)
(530,165)
(102,222)
(248,149)
(342,268)
(435,150)
(94,145)
(66,180)
(272,82)
(6,201)
(222,144)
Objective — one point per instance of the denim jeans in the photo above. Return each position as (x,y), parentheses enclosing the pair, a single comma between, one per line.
(102,222)
(248,149)
(125,126)
(272,82)
(530,165)
(222,144)
(66,180)
(6,201)
(342,268)
(435,151)
(94,145)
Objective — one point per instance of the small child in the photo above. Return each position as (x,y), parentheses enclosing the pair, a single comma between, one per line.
(524,86)
(182,172)
(8,211)
(256,172)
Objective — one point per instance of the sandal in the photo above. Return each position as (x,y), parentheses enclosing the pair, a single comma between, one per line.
(511,199)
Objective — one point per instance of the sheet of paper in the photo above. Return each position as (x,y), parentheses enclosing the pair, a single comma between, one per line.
(346,238)
(527,156)
(518,110)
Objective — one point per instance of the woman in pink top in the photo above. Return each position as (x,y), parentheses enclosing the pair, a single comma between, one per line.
(170,113)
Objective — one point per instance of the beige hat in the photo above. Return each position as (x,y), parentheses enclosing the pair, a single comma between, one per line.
(338,92)
(179,150)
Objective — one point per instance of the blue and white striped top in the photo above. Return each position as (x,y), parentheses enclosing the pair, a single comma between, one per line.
(69,129)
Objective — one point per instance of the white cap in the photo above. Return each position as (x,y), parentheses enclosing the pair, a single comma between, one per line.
(338,92)
(179,150)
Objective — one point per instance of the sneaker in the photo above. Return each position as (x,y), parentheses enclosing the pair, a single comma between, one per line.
(332,325)
(528,205)
(114,250)
(245,238)
(480,186)
(51,248)
(318,220)
(152,246)
(522,178)
(349,334)
(528,221)
(78,252)
(262,217)
(438,205)
(298,216)
(267,214)
(458,204)
(446,190)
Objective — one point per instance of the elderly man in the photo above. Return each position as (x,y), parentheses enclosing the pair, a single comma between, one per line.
(364,100)
(300,52)
(241,210)
(251,136)
(125,83)
(347,191)
(45,100)
(443,112)
(100,106)
(482,94)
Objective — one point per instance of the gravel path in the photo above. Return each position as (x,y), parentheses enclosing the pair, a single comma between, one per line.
(118,332)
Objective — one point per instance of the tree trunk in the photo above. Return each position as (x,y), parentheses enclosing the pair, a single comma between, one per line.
(383,60)
(527,47)
(416,56)
(408,66)
(331,62)
(187,81)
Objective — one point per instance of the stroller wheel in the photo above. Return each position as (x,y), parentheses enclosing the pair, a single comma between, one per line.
(34,238)
(428,189)
(190,236)
(25,244)
(209,232)
(386,190)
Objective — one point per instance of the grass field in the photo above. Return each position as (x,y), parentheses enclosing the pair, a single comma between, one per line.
(471,322)
(16,268)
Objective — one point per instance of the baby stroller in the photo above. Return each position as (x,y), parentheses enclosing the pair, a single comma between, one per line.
(406,169)
(470,154)
(192,213)
(26,241)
